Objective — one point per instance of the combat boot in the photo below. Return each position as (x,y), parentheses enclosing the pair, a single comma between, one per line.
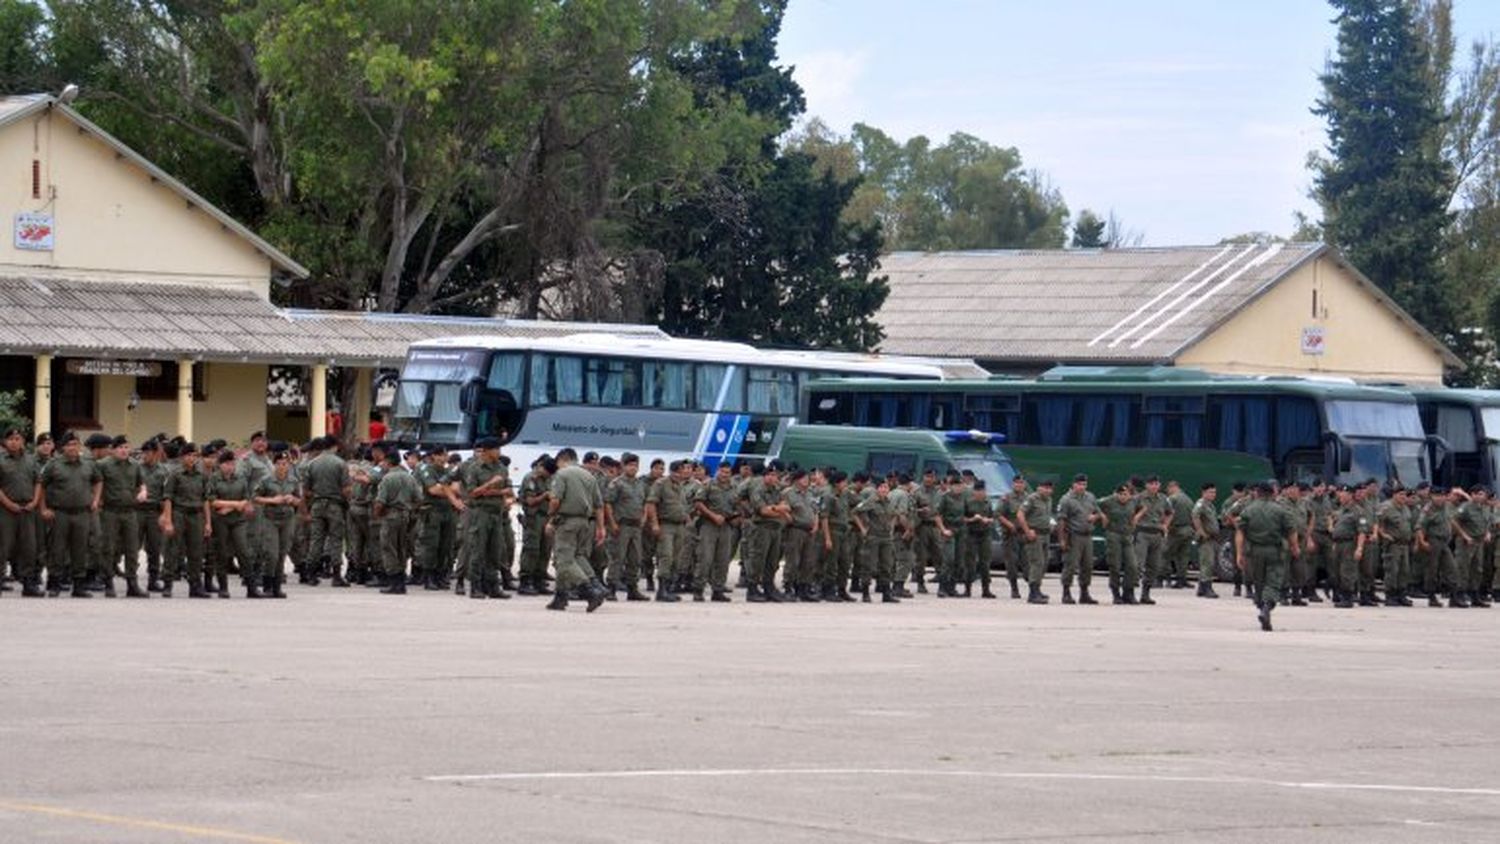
(496,590)
(920,578)
(1298,600)
(32,589)
(1434,601)
(209,585)
(431,583)
(1206,590)
(1067,597)
(338,581)
(663,592)
(1392,598)
(1127,596)
(397,586)
(559,601)
(1341,600)
(721,596)
(154,584)
(1146,595)
(1311,593)
(810,595)
(984,591)
(864,592)
(252,589)
(633,592)
(773,596)
(1479,599)
(595,593)
(528,586)
(1015,590)
(1367,598)
(1084,597)
(223,580)
(458,585)
(81,590)
(1036,596)
(752,595)
(109,587)
(134,590)
(1459,600)
(273,587)
(944,590)
(1265,617)
(844,595)
(1401,596)
(831,594)
(1237,588)
(1114,594)
(888,594)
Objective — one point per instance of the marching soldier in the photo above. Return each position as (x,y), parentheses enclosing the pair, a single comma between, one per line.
(575,499)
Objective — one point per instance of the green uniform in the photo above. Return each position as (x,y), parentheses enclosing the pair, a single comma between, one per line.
(18,531)
(231,531)
(399,496)
(485,538)
(715,541)
(1077,512)
(153,541)
(977,539)
(364,536)
(1349,524)
(439,523)
(255,468)
(765,537)
(1207,518)
(669,497)
(324,481)
(1474,519)
(1396,531)
(879,517)
(927,545)
(1266,526)
(119,517)
(1037,510)
(187,490)
(68,486)
(1179,540)
(278,524)
(1149,538)
(838,563)
(578,497)
(1436,525)
(1119,544)
(955,548)
(626,498)
(535,545)
(797,543)
(904,502)
(1012,544)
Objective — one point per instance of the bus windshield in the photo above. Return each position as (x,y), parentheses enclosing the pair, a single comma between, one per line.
(1490,416)
(1386,419)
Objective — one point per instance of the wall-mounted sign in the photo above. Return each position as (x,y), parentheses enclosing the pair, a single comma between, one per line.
(35,232)
(1313,340)
(134,368)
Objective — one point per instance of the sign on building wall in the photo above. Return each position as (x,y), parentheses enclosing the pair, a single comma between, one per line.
(35,232)
(1313,340)
(135,368)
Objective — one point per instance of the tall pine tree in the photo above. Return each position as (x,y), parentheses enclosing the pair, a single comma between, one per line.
(1384,188)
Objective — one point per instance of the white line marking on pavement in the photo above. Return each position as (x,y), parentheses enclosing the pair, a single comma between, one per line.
(939,772)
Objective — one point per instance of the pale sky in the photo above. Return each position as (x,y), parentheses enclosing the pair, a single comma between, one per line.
(1189,119)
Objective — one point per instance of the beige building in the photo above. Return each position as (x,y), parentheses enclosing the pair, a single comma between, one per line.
(1260,309)
(131,305)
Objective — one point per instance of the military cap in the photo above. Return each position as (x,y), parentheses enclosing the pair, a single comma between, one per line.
(278,447)
(150,446)
(1265,487)
(455,459)
(67,437)
(11,432)
(979,485)
(257,435)
(487,443)
(314,444)
(435,448)
(209,450)
(226,455)
(1080,478)
(44,437)
(185,448)
(629,457)
(119,441)
(98,441)
(393,458)
(1044,482)
(504,460)
(590,457)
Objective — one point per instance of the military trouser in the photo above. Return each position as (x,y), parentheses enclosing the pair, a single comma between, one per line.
(439,534)
(187,531)
(1370,561)
(277,537)
(396,542)
(905,556)
(765,553)
(70,545)
(1036,560)
(881,559)
(460,560)
(838,562)
(599,554)
(1442,572)
(1323,559)
(956,559)
(977,550)
(1078,559)
(1178,551)
(625,564)
(572,541)
(232,539)
(363,546)
(1424,570)
(535,546)
(1148,550)
(484,547)
(714,545)
(1346,567)
(928,549)
(99,562)
(648,554)
(1119,555)
(1470,564)
(1397,568)
(1208,556)
(1012,556)
(152,541)
(18,544)
(798,549)
(259,553)
(302,543)
(327,534)
(670,543)
(120,536)
(1300,573)
(1268,565)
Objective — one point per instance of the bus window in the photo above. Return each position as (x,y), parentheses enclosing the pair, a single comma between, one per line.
(508,374)
(830,409)
(1297,425)
(614,382)
(1240,423)
(1174,421)
(1455,424)
(556,379)
(937,413)
(710,384)
(771,391)
(1105,421)
(883,463)
(1048,420)
(667,385)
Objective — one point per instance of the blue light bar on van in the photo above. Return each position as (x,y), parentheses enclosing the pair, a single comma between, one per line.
(973,437)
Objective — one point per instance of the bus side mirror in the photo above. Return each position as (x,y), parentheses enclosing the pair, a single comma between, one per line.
(1440,453)
(468,396)
(1343,458)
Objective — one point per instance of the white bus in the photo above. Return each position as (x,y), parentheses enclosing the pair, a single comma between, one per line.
(655,397)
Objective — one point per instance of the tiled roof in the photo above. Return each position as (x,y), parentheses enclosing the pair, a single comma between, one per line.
(1115,305)
(138,320)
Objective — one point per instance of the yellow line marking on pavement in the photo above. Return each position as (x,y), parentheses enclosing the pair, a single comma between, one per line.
(141,823)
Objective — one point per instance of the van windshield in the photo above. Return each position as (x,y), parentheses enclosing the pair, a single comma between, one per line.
(996,474)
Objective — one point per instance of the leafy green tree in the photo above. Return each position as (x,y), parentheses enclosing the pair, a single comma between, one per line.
(1385,186)
(1088,231)
(22,60)
(13,411)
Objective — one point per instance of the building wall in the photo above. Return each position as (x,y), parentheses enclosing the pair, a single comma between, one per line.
(112,221)
(234,406)
(1363,339)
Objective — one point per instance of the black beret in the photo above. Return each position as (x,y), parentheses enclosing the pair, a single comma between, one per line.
(67,437)
(187,448)
(487,443)
(11,432)
(226,455)
(119,441)
(43,437)
(98,441)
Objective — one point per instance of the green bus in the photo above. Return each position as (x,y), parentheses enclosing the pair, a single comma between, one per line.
(1466,424)
(1183,424)
(881,451)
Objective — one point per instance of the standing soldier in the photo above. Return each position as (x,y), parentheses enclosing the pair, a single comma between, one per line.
(326,487)
(101,570)
(797,539)
(951,507)
(666,519)
(229,499)
(486,485)
(1349,530)
(153,541)
(255,466)
(979,520)
(396,501)
(43,453)
(1036,523)
(1179,545)
(1206,532)
(575,499)
(277,498)
(648,539)
(1239,496)
(931,532)
(1152,517)
(1435,537)
(1323,503)
(1012,544)
(1296,499)
(1472,524)
(1395,526)
(599,554)
(364,474)
(71,488)
(1077,513)
(904,502)
(625,501)
(440,524)
(768,514)
(185,522)
(838,561)
(875,518)
(716,507)
(124,492)
(535,544)
(1118,513)
(20,496)
(1265,529)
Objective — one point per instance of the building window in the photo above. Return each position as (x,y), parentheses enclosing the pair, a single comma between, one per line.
(74,399)
(164,386)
